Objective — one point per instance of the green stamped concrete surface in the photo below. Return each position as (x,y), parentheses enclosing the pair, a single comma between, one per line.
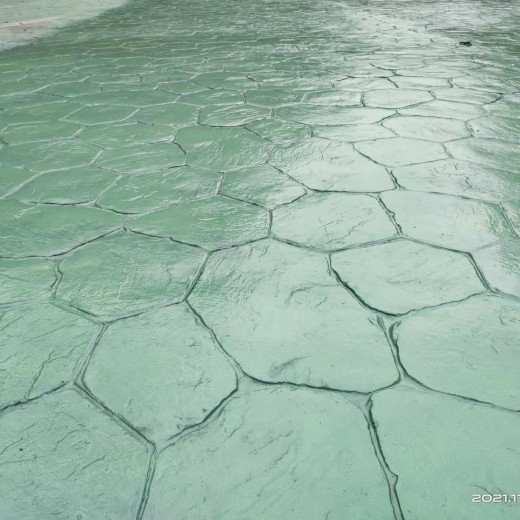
(260,260)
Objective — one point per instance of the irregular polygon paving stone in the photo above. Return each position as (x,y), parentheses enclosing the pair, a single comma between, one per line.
(25,279)
(271,447)
(127,134)
(447,109)
(279,131)
(41,347)
(507,106)
(163,188)
(430,441)
(427,128)
(283,317)
(66,186)
(47,230)
(175,114)
(36,114)
(363,84)
(460,178)
(143,158)
(447,220)
(496,127)
(402,275)
(331,115)
(232,115)
(325,165)
(418,82)
(333,97)
(212,97)
(262,185)
(11,178)
(48,156)
(400,151)
(222,148)
(162,371)
(211,223)
(464,95)
(224,80)
(352,133)
(490,152)
(62,457)
(39,132)
(469,349)
(128,98)
(125,273)
(70,88)
(268,97)
(101,114)
(332,221)
(395,98)
(500,265)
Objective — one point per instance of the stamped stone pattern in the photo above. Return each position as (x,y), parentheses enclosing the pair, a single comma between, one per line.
(164,188)
(478,337)
(324,165)
(126,273)
(293,325)
(413,275)
(330,221)
(444,220)
(262,185)
(500,265)
(28,279)
(260,260)
(47,230)
(293,428)
(166,382)
(430,441)
(41,347)
(63,446)
(211,223)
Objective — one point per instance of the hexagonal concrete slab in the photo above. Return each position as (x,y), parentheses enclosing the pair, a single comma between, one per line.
(46,156)
(232,115)
(402,275)
(222,148)
(431,438)
(41,348)
(436,129)
(126,134)
(283,323)
(489,152)
(253,442)
(331,221)
(395,98)
(145,158)
(460,178)
(477,338)
(500,265)
(64,457)
(127,273)
(73,186)
(447,221)
(48,230)
(262,185)
(401,151)
(26,279)
(331,115)
(324,165)
(162,371)
(211,223)
(163,188)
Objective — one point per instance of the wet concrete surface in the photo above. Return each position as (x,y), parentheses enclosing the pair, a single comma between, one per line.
(261,260)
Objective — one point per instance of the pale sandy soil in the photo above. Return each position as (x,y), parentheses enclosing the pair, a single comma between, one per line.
(22,21)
